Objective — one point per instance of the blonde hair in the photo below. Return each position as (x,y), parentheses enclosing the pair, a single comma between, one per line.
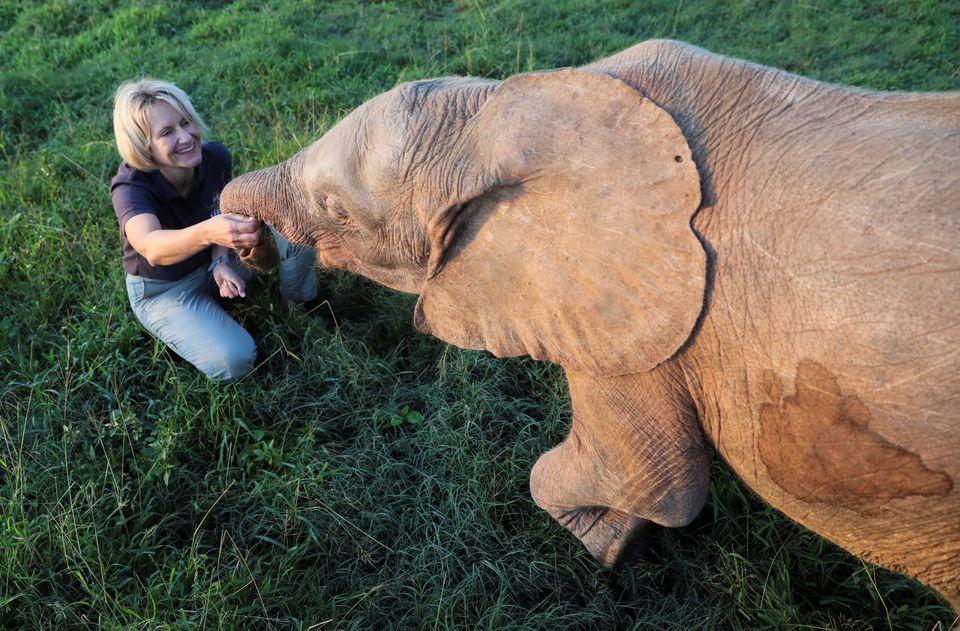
(132,105)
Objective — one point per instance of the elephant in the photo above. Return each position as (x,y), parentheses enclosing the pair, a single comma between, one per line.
(715,252)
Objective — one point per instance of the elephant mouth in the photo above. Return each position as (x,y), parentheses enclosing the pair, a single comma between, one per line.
(264,255)
(337,257)
(612,537)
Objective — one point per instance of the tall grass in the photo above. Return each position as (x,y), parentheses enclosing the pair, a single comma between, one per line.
(364,475)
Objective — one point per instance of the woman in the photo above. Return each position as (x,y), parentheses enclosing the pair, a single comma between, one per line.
(177,247)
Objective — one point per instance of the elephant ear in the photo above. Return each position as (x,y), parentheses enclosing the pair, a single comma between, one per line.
(571,237)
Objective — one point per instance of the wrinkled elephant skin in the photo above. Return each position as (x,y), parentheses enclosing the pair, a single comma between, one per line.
(713,250)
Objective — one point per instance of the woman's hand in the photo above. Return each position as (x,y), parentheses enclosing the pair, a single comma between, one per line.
(229,281)
(233,231)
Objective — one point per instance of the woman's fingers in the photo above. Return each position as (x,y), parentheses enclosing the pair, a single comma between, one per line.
(244,231)
(240,286)
(245,240)
(227,290)
(233,287)
(236,231)
(236,217)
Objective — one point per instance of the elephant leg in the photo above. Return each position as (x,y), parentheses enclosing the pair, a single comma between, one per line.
(635,453)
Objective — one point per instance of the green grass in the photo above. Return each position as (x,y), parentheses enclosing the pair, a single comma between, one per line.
(137,495)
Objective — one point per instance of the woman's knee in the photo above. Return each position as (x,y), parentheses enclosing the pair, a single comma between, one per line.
(232,361)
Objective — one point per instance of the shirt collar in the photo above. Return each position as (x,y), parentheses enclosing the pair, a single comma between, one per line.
(163,187)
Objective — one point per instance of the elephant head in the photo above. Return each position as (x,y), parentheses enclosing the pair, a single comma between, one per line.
(546,215)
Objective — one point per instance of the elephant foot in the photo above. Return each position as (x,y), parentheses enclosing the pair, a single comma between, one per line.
(610,536)
(634,455)
(558,487)
(953,599)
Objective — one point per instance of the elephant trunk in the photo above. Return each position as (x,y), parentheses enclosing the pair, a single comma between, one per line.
(275,197)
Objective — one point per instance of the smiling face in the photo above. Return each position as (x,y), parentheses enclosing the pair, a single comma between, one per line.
(174,139)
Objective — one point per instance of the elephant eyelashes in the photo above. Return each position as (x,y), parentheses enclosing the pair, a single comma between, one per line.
(336,210)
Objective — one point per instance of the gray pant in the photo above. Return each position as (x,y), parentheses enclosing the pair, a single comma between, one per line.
(184,315)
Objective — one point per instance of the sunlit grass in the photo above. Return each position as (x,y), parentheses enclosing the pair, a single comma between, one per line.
(136,494)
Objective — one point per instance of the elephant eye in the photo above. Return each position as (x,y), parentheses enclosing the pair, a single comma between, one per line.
(336,210)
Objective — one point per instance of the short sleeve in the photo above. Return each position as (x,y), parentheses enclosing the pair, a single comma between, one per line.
(129,201)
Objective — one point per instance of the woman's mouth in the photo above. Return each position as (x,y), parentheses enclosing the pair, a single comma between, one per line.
(188,149)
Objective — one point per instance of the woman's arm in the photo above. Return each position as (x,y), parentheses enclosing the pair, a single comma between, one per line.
(166,247)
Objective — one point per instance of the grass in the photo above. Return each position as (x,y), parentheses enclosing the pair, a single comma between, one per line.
(365,475)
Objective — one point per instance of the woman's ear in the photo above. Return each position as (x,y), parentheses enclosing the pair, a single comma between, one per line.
(575,243)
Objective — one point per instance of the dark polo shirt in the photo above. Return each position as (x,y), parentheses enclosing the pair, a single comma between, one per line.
(136,192)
